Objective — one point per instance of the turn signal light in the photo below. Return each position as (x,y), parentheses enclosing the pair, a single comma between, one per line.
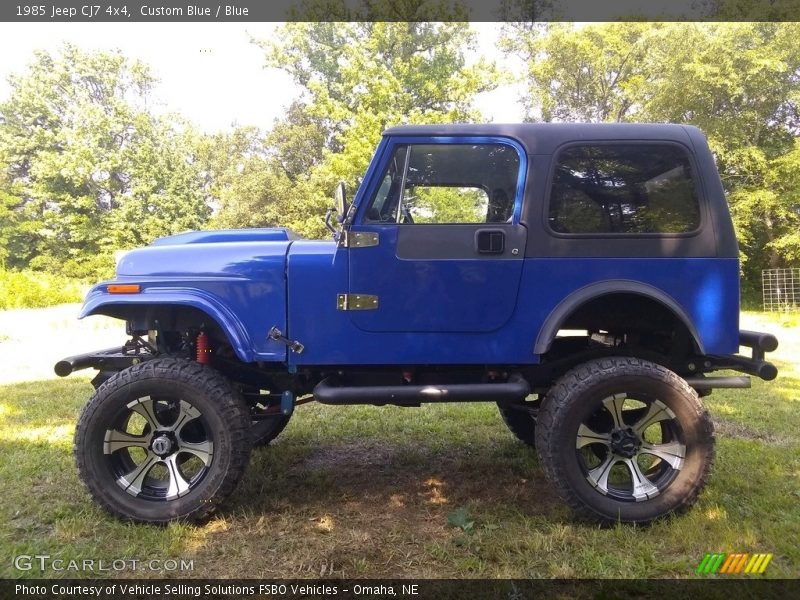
(124,288)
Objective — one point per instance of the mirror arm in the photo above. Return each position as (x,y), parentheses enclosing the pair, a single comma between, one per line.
(328,214)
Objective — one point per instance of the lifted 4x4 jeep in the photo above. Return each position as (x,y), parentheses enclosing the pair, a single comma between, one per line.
(583,277)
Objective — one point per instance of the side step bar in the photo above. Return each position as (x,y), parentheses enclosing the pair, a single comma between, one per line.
(327,392)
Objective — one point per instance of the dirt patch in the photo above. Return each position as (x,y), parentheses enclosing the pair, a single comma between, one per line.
(354,453)
(363,509)
(740,431)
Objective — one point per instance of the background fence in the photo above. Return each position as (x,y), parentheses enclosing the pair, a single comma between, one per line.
(781,289)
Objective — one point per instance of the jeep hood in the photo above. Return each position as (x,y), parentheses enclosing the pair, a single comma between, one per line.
(248,254)
(269,234)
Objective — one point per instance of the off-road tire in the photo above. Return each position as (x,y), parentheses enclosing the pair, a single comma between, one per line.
(572,400)
(222,410)
(519,421)
(277,425)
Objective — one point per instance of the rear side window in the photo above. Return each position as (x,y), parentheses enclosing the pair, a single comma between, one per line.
(624,189)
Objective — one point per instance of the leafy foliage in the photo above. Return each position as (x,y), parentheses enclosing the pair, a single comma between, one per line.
(738,82)
(30,289)
(462,519)
(87,168)
(360,78)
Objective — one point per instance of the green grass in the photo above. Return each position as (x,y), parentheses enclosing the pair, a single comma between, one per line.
(439,491)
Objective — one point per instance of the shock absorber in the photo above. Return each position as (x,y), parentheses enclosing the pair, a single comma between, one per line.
(203,348)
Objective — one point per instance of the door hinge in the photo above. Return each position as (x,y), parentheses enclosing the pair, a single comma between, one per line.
(359,239)
(356,302)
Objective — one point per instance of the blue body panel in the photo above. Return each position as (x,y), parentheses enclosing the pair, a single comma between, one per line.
(699,287)
(449,295)
(242,285)
(331,338)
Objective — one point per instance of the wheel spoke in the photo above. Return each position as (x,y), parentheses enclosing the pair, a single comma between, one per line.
(613,405)
(133,481)
(598,476)
(144,407)
(202,450)
(117,440)
(672,452)
(186,413)
(178,486)
(588,436)
(642,488)
(656,412)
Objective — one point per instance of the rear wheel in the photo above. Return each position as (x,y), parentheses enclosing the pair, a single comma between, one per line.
(267,419)
(623,439)
(265,429)
(163,440)
(520,418)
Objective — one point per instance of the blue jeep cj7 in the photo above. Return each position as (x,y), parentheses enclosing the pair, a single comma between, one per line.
(583,277)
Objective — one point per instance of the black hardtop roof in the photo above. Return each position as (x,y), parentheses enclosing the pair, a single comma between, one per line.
(544,138)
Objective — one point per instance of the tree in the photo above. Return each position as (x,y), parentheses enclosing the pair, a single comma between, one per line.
(264,181)
(359,78)
(738,82)
(92,168)
(593,73)
(10,243)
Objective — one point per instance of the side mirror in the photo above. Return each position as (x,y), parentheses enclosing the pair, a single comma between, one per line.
(341,200)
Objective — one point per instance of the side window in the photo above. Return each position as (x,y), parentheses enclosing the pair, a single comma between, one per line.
(447,183)
(383,207)
(623,188)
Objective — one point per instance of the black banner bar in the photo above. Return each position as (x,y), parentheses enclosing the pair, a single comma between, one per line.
(402,589)
(151,11)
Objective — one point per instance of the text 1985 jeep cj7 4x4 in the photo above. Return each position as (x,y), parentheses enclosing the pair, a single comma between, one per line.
(583,277)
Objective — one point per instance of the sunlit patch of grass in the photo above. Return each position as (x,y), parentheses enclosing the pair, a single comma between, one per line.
(6,410)
(54,435)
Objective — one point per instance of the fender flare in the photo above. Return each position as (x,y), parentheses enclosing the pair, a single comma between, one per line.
(98,299)
(563,309)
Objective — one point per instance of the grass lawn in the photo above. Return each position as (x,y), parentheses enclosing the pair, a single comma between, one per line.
(380,492)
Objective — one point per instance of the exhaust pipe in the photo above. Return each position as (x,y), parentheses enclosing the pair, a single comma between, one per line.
(94,359)
(707,383)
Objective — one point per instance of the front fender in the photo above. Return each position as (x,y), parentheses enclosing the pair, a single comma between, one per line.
(99,301)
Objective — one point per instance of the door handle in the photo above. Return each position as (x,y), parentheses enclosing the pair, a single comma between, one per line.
(490,241)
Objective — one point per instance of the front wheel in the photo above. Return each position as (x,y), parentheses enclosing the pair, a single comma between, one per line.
(625,440)
(163,440)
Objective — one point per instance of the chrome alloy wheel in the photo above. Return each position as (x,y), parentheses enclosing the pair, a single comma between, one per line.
(630,449)
(159,448)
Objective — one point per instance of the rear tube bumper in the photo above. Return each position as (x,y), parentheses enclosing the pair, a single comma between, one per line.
(756,365)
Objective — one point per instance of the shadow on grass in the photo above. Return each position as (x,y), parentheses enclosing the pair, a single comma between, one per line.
(396,477)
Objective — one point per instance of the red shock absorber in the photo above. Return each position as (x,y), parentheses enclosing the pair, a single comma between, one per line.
(203,348)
